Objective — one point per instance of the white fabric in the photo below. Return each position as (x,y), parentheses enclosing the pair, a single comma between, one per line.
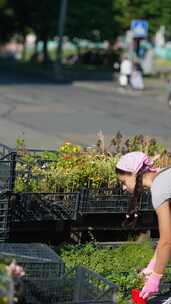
(123,80)
(161,188)
(137,80)
(126,67)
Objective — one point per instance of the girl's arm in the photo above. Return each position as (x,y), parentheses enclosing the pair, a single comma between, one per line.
(155,254)
(163,250)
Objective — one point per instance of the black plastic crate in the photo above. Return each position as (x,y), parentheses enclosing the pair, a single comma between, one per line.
(4,217)
(30,169)
(7,172)
(46,282)
(82,286)
(5,150)
(29,207)
(33,254)
(7,178)
(115,202)
(43,267)
(161,299)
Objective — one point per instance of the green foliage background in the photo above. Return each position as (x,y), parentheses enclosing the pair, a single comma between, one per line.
(109,17)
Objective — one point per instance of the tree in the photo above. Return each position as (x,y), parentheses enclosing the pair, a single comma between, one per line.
(165,16)
(85,17)
(156,12)
(22,19)
(7,18)
(40,17)
(44,21)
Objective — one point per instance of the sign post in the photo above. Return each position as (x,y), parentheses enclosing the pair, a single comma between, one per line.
(139,29)
(62,18)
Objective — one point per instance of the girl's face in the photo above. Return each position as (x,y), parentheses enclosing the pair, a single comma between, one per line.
(128,181)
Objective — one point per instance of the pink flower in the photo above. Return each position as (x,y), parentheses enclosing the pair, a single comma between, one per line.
(15,270)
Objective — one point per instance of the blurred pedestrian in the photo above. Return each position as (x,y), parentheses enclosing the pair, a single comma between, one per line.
(137,81)
(125,71)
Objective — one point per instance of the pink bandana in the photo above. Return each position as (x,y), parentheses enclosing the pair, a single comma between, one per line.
(134,161)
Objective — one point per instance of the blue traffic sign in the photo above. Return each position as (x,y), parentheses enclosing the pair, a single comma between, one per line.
(139,28)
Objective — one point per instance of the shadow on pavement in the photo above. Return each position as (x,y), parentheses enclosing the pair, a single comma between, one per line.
(27,73)
(12,73)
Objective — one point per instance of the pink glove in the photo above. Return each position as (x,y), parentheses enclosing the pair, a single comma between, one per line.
(149,269)
(151,286)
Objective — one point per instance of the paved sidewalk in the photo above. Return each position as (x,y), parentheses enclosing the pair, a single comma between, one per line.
(153,87)
(46,113)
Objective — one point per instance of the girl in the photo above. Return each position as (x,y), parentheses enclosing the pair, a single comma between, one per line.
(136,172)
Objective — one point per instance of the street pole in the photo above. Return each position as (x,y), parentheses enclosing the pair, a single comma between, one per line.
(61,25)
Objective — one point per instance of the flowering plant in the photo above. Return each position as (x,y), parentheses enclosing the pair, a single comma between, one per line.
(73,167)
(10,284)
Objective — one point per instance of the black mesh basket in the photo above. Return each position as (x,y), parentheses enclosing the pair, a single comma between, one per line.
(82,286)
(115,202)
(7,177)
(4,217)
(32,254)
(42,266)
(5,150)
(45,281)
(29,207)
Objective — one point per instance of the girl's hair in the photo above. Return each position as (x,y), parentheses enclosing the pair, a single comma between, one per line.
(132,214)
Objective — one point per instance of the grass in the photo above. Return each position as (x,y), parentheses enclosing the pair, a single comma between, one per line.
(163,62)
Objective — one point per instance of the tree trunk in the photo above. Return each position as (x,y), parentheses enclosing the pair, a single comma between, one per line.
(36,48)
(78,50)
(45,50)
(24,48)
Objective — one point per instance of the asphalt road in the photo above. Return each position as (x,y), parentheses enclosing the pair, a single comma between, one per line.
(46,113)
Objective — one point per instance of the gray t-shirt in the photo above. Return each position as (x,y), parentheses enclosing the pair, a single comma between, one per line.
(161,188)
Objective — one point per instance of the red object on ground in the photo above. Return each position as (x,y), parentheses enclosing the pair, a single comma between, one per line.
(135,297)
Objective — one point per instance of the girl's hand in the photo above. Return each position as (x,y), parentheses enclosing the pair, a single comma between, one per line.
(151,286)
(149,269)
